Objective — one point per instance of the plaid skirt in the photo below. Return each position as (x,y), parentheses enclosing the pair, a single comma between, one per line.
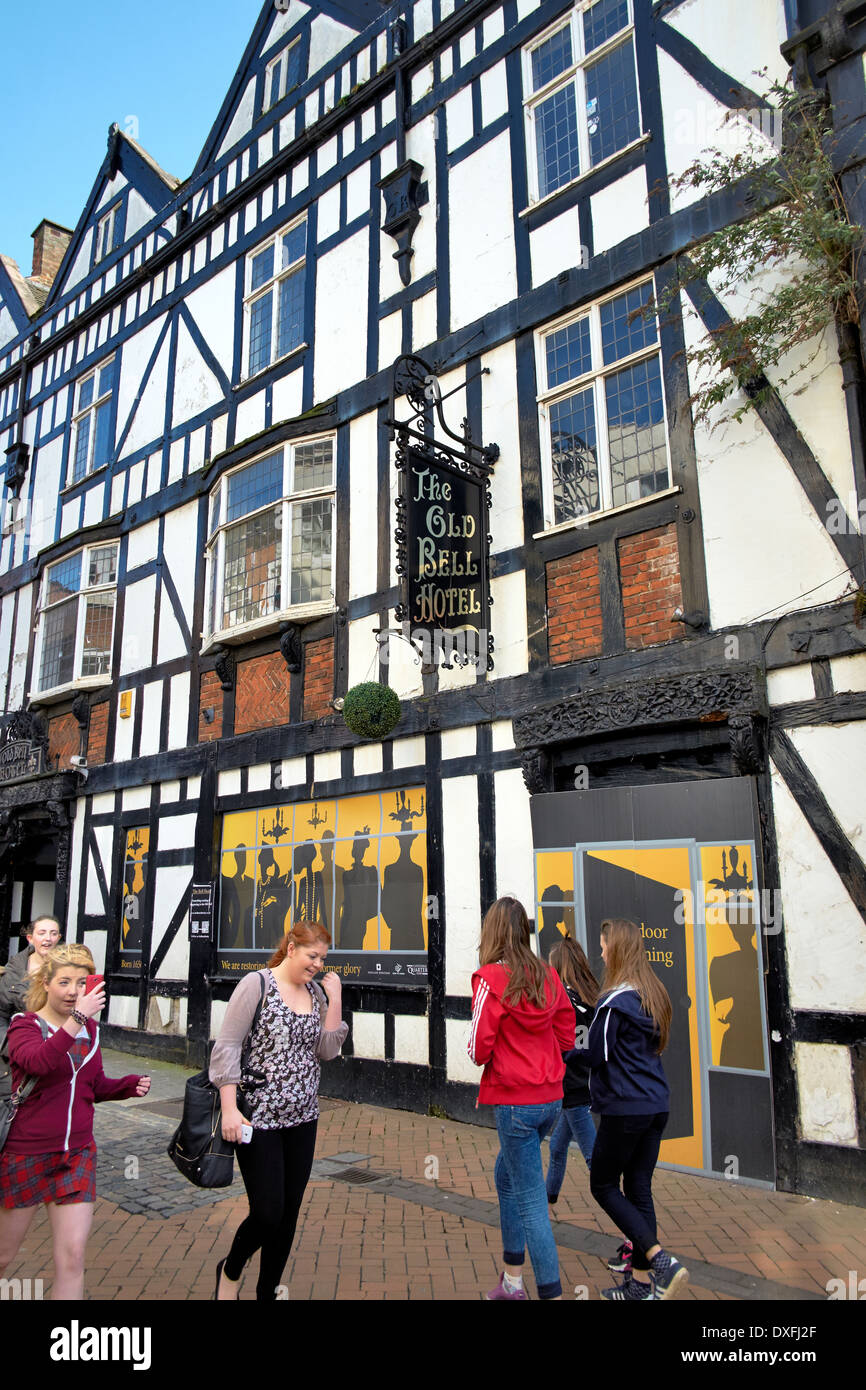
(28,1179)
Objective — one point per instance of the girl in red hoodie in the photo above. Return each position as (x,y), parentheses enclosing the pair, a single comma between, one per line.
(49,1155)
(522,1022)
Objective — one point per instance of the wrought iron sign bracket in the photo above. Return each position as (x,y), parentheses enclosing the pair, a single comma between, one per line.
(442,534)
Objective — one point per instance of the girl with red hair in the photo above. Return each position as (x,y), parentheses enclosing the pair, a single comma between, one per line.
(300,1023)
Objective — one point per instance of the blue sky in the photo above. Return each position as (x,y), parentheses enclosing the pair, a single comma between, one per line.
(70,70)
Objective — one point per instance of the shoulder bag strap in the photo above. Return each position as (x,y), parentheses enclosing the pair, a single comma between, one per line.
(246,1047)
(29,1084)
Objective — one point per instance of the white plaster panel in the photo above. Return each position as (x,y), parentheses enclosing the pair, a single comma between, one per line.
(179,548)
(177,832)
(229,783)
(514,863)
(7,608)
(848,672)
(459,743)
(169,792)
(95,943)
(694,122)
(259,778)
(739,36)
(494,92)
(44,505)
(327,39)
(142,545)
(136,799)
(326,767)
(556,246)
(81,264)
(836,756)
(404,669)
(102,804)
(458,678)
(212,308)
(500,423)
(123,1011)
(422,18)
(151,715)
(492,27)
(458,113)
(828,1113)
(136,479)
(390,337)
(368,1035)
(150,411)
(423,321)
(328,220)
(411,1040)
(502,736)
(178,712)
(357,192)
(618,211)
(483,267)
(195,386)
(462,867)
(421,145)
(70,517)
(363,464)
(283,21)
(511,651)
(242,119)
(250,416)
(75,866)
(341,353)
(790,684)
(293,772)
(22,641)
(193,788)
(408,752)
(458,1067)
(825,936)
(363,652)
(368,759)
(138,214)
(123,732)
(287,396)
(170,885)
(8,331)
(94,905)
(139,610)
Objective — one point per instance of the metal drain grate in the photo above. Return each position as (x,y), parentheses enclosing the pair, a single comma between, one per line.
(359,1176)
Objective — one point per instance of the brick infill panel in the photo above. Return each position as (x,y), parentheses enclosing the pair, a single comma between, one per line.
(574,625)
(318,678)
(210,697)
(649,567)
(262,693)
(97,733)
(64,738)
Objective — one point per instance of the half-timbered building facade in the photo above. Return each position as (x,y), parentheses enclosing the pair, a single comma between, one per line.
(206,542)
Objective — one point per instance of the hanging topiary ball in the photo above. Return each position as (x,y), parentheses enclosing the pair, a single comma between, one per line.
(371,710)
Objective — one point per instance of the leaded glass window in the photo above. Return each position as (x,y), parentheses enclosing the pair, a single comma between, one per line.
(76,624)
(92,436)
(276,294)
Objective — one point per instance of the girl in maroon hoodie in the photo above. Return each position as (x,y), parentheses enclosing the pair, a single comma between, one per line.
(522,1022)
(49,1155)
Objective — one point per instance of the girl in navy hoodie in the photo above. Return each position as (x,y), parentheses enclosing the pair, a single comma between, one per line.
(630,1092)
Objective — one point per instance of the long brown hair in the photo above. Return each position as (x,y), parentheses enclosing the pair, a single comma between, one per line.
(300,934)
(505,937)
(627,964)
(568,959)
(68,953)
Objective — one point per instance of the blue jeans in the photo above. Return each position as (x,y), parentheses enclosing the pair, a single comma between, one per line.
(519,1176)
(574,1123)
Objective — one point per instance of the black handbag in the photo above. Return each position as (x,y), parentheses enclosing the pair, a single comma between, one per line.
(9,1106)
(197,1148)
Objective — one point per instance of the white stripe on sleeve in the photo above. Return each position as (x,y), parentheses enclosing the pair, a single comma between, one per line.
(480,999)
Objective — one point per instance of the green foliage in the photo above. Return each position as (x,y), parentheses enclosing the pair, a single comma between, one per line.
(802,231)
(371,710)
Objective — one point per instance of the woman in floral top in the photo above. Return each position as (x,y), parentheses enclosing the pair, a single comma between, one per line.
(299,1024)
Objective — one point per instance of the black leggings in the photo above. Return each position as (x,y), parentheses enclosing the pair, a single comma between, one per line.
(627,1146)
(275,1167)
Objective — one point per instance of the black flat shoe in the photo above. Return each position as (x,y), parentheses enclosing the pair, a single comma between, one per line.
(217,1284)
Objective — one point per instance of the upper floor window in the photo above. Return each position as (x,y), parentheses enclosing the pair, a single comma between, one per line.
(109,232)
(581,94)
(91,424)
(76,617)
(275,292)
(271,530)
(285,72)
(603,433)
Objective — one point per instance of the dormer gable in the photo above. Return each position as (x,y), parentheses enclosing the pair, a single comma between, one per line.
(287,48)
(129,190)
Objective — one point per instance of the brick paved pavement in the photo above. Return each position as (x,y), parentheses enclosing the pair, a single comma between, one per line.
(427,1227)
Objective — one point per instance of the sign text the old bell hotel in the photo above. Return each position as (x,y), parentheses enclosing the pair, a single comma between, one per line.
(443,509)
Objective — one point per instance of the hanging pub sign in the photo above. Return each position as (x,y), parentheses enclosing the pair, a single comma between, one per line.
(442,535)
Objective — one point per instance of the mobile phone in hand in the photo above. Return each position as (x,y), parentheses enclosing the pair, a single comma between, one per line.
(246,1134)
(93,982)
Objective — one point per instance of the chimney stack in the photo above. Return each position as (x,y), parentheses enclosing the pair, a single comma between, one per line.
(50,242)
